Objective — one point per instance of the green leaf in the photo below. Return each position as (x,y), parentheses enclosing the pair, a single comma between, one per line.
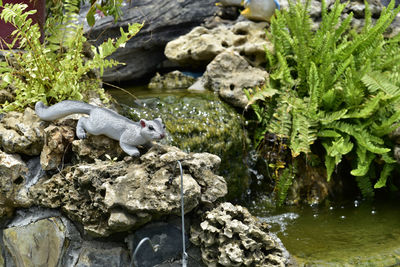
(330,166)
(386,171)
(261,94)
(363,162)
(376,81)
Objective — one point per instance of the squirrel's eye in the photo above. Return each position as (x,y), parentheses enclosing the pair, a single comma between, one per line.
(151,128)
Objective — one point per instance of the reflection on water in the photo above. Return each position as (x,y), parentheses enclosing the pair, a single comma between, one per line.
(357,234)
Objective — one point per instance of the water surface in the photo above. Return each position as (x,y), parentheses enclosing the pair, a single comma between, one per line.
(356,234)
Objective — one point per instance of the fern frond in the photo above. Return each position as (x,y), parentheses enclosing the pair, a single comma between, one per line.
(283,70)
(281,121)
(365,185)
(387,126)
(328,134)
(303,134)
(362,137)
(367,109)
(364,159)
(330,166)
(376,81)
(386,171)
(325,118)
(314,89)
(284,181)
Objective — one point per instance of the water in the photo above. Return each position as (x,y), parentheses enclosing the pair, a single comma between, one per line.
(355,234)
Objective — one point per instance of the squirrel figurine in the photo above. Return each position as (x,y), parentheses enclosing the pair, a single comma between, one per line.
(104,121)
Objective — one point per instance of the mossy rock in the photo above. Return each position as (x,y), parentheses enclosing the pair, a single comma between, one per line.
(202,123)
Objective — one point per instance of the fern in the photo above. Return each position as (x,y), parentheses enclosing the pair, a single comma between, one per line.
(57,69)
(334,84)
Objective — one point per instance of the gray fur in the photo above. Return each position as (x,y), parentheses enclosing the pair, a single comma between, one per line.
(104,121)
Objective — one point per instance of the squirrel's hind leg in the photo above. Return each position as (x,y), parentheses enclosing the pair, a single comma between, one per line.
(81,127)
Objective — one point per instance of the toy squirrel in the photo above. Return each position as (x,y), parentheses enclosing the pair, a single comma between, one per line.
(104,121)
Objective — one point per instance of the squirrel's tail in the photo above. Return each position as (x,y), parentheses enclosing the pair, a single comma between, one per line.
(61,109)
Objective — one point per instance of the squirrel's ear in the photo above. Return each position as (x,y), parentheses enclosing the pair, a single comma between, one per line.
(143,123)
(159,120)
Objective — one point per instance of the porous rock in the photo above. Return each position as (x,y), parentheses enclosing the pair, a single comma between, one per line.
(108,196)
(201,45)
(229,73)
(57,143)
(22,133)
(97,147)
(12,177)
(171,80)
(230,236)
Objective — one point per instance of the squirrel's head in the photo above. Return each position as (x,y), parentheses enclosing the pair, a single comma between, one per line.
(152,130)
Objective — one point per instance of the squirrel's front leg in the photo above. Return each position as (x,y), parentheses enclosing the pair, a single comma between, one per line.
(129,149)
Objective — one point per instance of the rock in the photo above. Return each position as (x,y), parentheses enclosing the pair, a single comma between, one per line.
(171,80)
(396,153)
(229,73)
(22,133)
(165,238)
(200,46)
(310,185)
(42,237)
(102,254)
(164,20)
(2,263)
(12,178)
(97,147)
(230,236)
(107,197)
(38,244)
(231,2)
(57,144)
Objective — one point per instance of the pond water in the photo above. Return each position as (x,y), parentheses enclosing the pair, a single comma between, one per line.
(358,233)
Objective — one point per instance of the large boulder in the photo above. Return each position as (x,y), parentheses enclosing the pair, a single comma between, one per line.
(47,237)
(108,196)
(201,45)
(229,74)
(164,20)
(41,237)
